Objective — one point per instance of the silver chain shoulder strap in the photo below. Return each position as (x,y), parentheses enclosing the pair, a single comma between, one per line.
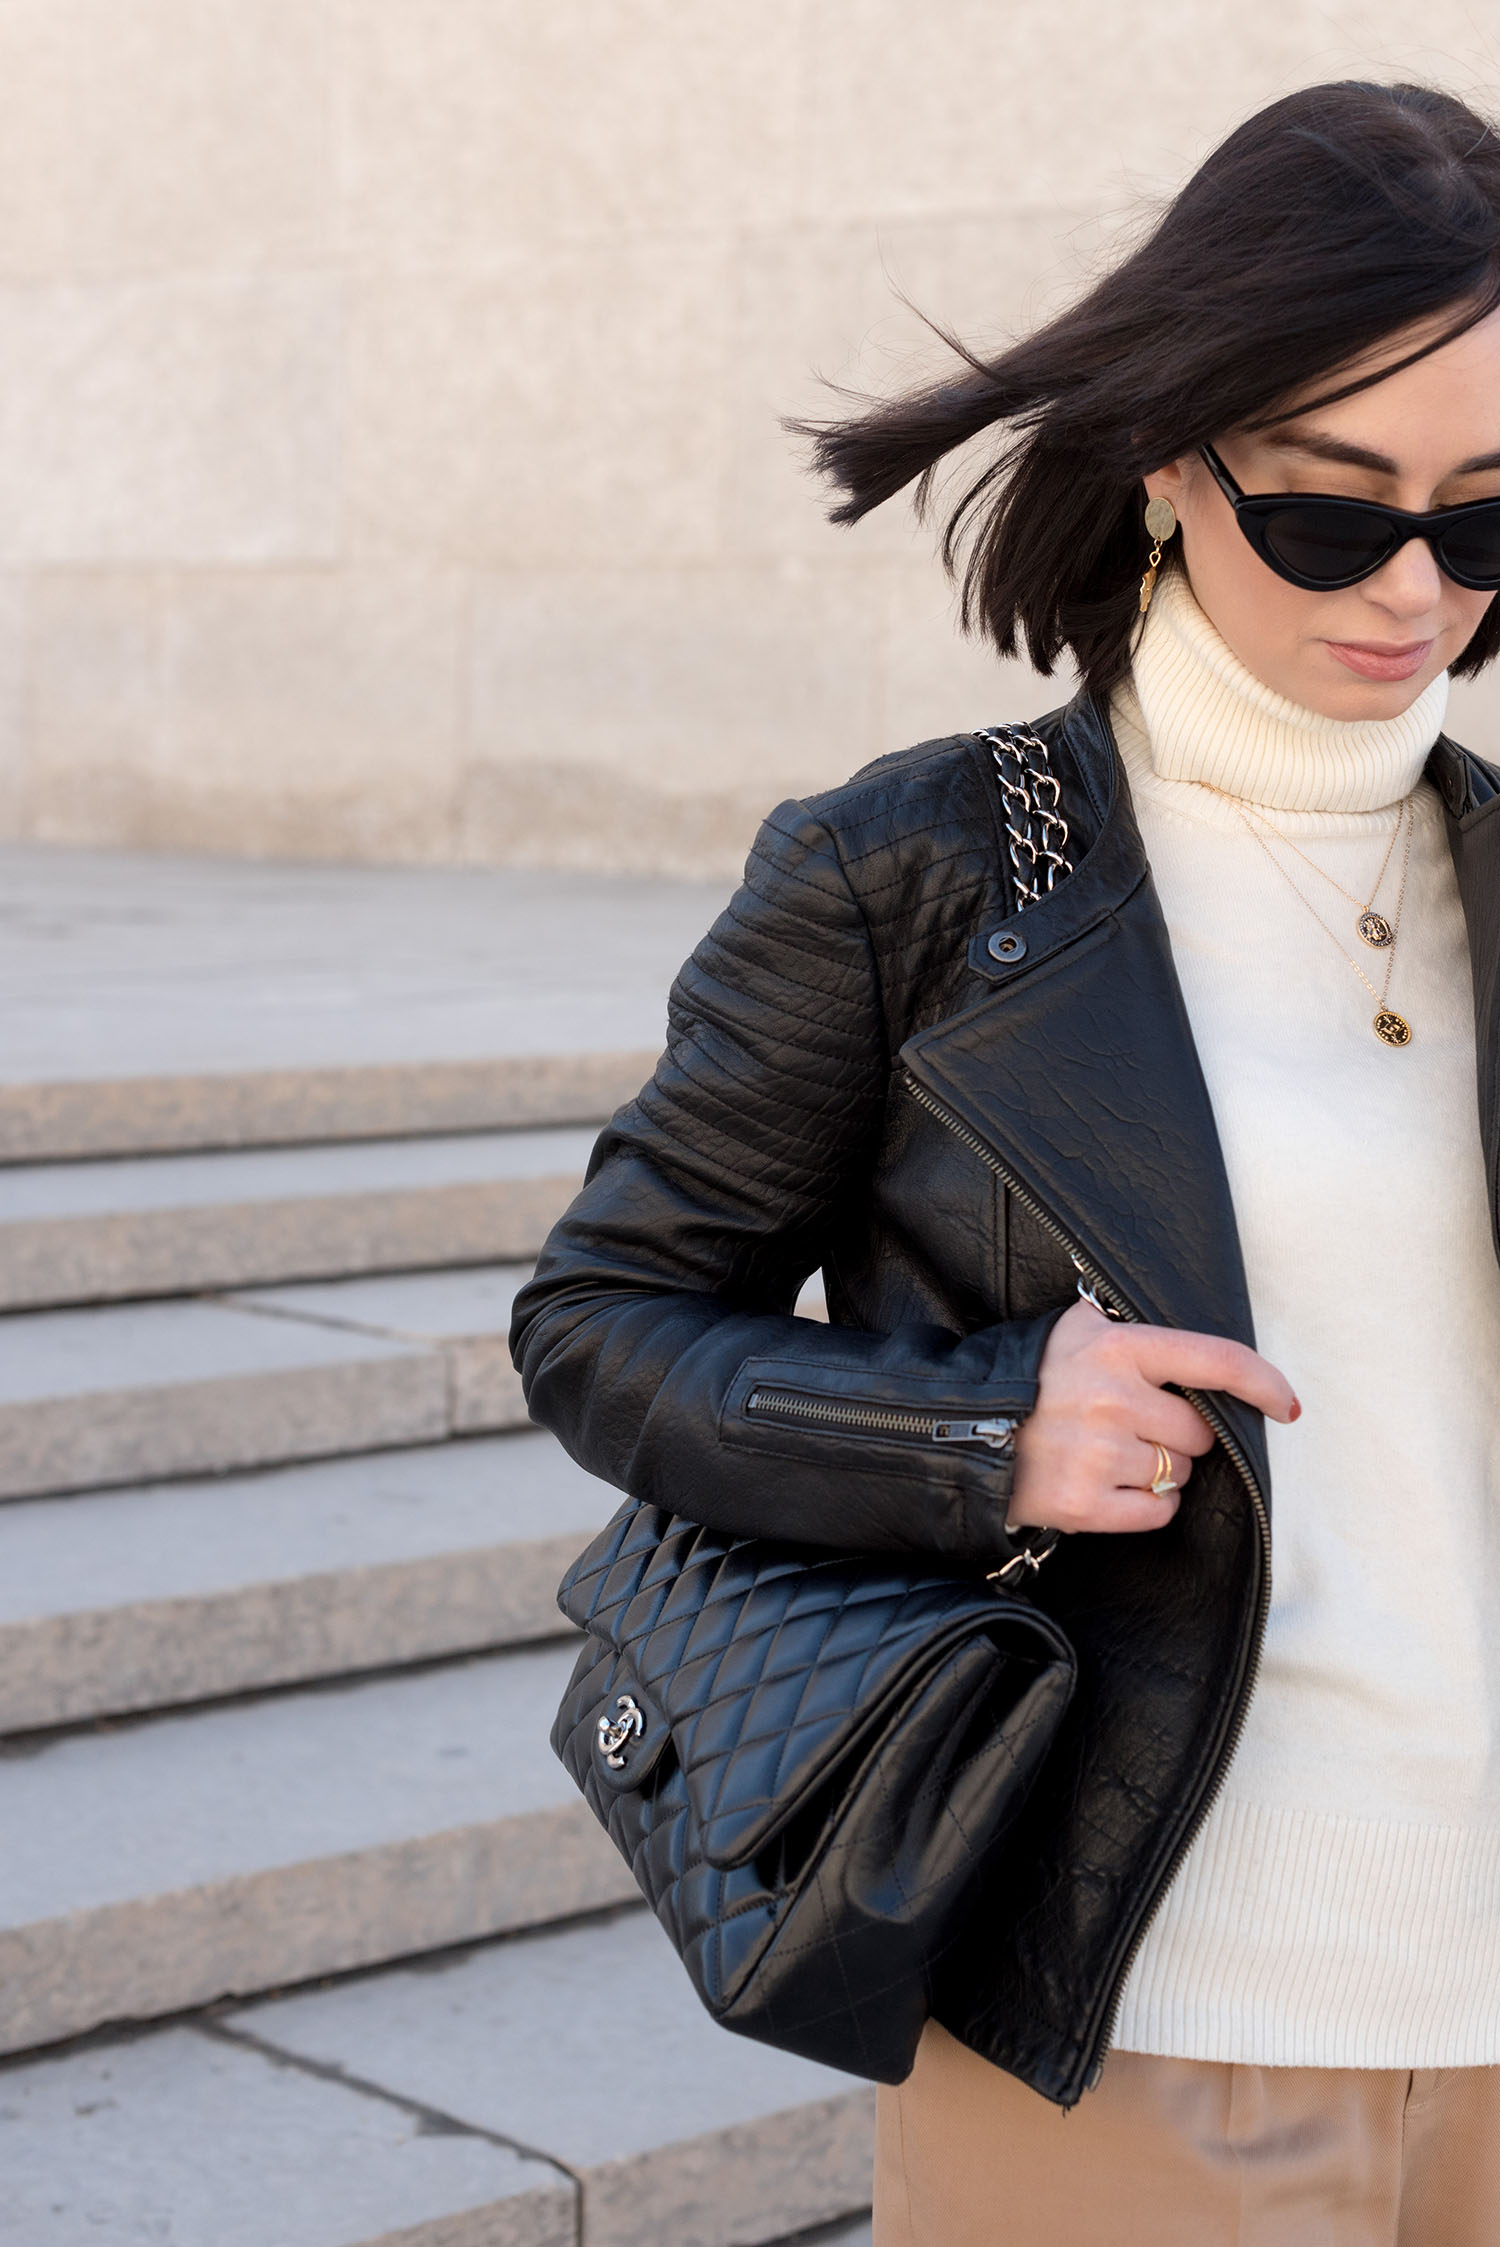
(1032,802)
(1038,855)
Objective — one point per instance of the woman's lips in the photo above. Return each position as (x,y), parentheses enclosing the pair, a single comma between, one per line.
(1373,661)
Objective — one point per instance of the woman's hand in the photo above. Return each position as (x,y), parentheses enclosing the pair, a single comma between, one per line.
(1086,1458)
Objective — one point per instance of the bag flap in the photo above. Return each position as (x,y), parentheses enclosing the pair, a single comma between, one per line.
(771,1661)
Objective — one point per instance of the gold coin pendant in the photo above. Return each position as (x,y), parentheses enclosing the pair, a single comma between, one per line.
(1375,930)
(1392,1028)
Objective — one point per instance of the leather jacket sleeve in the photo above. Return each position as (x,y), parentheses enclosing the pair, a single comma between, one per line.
(656,1339)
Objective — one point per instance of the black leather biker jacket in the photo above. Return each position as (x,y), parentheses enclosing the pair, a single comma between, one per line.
(854,1080)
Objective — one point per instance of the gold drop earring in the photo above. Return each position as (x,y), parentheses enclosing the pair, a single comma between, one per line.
(1161,522)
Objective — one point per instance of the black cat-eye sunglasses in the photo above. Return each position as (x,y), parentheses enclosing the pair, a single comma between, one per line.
(1321,543)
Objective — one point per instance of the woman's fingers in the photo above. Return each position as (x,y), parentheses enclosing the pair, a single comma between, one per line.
(1103,1486)
(1171,1419)
(1116,1511)
(1211,1361)
(1140,1509)
(1145,1467)
(1083,1461)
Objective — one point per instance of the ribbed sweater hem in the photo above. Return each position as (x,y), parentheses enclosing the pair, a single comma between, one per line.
(1383,1950)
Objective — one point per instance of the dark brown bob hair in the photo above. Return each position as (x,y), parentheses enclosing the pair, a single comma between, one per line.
(1324,225)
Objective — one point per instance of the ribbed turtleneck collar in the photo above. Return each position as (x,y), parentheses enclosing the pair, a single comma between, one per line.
(1210,720)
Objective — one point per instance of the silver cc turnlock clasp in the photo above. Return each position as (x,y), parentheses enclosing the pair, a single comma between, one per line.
(617,1729)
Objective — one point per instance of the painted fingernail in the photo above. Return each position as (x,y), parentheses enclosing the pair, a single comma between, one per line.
(1296,1411)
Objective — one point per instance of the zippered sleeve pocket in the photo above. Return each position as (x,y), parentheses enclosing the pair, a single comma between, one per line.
(801,1408)
(930,1429)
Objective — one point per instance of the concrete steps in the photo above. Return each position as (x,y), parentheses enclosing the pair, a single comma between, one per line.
(157,1865)
(428,2107)
(279,1649)
(202,2141)
(90,1232)
(154,1003)
(134,1392)
(63,1119)
(177,1592)
(674,2130)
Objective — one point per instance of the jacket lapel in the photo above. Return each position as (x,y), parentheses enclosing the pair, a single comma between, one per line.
(1079,1071)
(1471,798)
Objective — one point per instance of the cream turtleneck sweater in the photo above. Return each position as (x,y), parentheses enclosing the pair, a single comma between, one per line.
(1341,1904)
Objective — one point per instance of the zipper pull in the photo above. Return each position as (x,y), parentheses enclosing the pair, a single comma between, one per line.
(998,1434)
(1089,1284)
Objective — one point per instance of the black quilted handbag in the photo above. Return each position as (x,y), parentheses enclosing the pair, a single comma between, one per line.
(809,1762)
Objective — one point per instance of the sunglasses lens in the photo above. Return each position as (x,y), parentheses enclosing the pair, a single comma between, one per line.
(1326,545)
(1471,550)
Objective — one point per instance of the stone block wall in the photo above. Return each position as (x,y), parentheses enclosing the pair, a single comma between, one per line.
(389,459)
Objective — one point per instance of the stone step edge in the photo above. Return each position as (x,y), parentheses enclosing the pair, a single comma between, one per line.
(149,1957)
(796,2155)
(66,1670)
(74,1261)
(188,2118)
(794,2161)
(108,1439)
(814,2155)
(68,1119)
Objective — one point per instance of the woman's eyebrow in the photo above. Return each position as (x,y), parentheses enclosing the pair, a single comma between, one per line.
(1318,447)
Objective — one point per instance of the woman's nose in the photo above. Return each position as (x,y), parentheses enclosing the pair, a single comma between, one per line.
(1410,583)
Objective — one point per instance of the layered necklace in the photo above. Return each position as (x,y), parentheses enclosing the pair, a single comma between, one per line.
(1371,927)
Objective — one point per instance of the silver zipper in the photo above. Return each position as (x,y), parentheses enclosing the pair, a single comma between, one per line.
(875,1419)
(1098,1290)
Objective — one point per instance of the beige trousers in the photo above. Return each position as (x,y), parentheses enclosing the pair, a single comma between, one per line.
(1188,2153)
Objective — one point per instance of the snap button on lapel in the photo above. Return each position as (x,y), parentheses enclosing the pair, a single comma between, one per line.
(1006,946)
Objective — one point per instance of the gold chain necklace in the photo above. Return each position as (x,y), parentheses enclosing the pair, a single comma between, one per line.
(1371,928)
(1390,1027)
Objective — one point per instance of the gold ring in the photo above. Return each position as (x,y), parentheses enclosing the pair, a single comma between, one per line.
(1163,1482)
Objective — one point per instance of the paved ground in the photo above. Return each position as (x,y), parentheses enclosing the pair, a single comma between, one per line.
(120,965)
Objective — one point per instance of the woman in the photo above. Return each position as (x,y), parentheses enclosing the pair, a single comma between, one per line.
(1216,1111)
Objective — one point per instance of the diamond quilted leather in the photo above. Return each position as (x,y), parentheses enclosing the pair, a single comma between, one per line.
(850,1739)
